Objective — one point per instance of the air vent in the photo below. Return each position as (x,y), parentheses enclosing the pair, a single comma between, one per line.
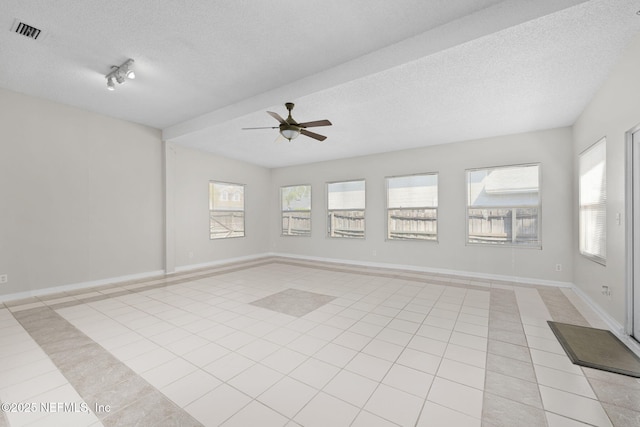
(27,30)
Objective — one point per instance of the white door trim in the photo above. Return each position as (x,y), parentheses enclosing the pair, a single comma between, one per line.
(632,240)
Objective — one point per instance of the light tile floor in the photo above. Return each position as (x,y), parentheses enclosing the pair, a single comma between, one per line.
(385,348)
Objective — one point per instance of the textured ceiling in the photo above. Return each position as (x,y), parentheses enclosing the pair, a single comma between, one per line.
(389,75)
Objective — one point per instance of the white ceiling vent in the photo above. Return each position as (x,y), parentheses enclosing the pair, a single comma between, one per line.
(25,30)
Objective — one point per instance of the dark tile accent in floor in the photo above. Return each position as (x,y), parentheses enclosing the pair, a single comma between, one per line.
(616,394)
(293,302)
(502,412)
(621,417)
(513,351)
(508,337)
(98,376)
(560,308)
(511,367)
(505,386)
(619,394)
(511,394)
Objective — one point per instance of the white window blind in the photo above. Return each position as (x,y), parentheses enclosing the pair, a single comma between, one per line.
(503,205)
(593,202)
(346,207)
(412,207)
(226,210)
(295,202)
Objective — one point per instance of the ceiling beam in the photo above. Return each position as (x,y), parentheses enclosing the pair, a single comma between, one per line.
(488,21)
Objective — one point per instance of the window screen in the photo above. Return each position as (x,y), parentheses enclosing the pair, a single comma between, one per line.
(346,206)
(226,210)
(593,202)
(503,205)
(295,203)
(412,207)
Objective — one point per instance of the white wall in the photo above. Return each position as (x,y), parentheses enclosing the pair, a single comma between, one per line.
(80,196)
(552,148)
(191,172)
(612,112)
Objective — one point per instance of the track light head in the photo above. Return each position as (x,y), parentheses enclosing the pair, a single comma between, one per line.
(120,73)
(127,69)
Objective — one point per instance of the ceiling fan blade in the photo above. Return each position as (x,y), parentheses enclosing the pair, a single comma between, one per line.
(265,127)
(276,116)
(279,139)
(313,135)
(315,124)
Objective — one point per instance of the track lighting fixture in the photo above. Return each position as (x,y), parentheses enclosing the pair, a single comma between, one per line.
(119,73)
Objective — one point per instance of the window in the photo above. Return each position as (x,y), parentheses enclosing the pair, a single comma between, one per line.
(412,207)
(226,210)
(295,202)
(503,206)
(593,202)
(345,204)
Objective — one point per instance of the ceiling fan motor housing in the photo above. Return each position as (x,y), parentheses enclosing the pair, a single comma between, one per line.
(291,129)
(288,126)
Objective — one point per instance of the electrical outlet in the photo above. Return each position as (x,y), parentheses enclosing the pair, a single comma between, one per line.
(375,252)
(558,267)
(606,291)
(4,278)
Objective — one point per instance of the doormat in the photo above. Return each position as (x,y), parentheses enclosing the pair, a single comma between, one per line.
(596,348)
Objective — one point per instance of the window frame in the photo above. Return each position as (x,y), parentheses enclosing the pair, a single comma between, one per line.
(328,211)
(228,199)
(538,245)
(602,260)
(388,209)
(282,233)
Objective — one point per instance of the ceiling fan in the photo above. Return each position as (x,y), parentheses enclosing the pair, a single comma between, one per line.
(290,129)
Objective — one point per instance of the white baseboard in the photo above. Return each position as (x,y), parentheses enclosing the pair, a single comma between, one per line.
(611,323)
(420,269)
(217,263)
(81,285)
(614,326)
(122,279)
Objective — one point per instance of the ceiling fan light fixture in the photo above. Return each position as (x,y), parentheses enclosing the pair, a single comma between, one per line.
(290,132)
(110,85)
